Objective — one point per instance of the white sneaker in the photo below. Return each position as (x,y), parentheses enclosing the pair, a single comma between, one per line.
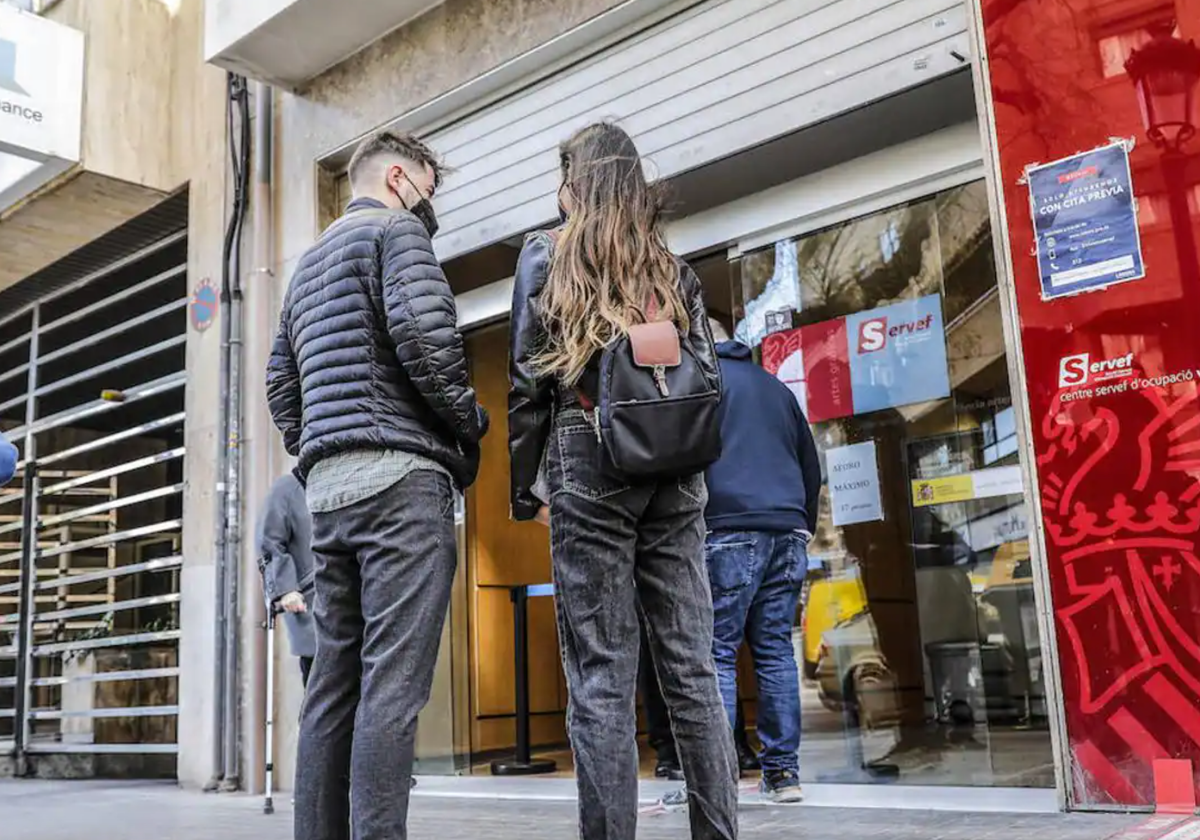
(676,799)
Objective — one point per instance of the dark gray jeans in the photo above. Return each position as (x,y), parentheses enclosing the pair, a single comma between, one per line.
(384,571)
(618,549)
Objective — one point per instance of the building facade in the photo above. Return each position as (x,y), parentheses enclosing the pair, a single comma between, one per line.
(824,161)
(112,186)
(833,182)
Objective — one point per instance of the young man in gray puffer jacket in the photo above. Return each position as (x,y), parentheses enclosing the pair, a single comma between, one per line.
(368,384)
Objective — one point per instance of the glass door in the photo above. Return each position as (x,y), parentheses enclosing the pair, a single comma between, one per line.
(917,640)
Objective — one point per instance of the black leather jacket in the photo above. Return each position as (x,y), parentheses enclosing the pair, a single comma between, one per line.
(531,397)
(368,354)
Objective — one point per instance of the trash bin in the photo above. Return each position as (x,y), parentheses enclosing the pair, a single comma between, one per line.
(966,676)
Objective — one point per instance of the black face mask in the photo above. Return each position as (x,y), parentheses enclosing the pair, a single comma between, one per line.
(423,210)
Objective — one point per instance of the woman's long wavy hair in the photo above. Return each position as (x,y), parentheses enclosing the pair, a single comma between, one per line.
(611,258)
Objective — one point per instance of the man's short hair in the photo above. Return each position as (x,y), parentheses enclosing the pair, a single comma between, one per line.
(718,330)
(396,144)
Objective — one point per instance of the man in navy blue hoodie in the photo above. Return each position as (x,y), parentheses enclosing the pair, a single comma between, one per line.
(8,461)
(764,497)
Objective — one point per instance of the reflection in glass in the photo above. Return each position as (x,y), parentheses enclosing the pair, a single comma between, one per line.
(919,644)
(779,294)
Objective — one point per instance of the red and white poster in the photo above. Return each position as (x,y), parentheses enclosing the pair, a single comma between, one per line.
(881,358)
(814,363)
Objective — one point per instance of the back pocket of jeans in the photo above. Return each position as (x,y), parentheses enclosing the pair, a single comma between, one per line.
(729,562)
(797,570)
(584,470)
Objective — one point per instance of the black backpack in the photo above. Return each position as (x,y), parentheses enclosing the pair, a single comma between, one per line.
(655,413)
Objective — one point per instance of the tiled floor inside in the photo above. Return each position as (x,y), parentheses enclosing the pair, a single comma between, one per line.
(993,754)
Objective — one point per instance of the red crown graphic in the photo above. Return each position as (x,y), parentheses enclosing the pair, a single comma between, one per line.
(1101,481)
(1120,498)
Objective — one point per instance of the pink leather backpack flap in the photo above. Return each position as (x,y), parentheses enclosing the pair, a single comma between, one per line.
(655,345)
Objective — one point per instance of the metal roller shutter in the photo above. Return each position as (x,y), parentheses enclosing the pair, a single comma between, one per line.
(92,377)
(721,77)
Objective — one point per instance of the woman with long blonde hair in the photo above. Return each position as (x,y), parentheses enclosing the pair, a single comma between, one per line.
(621,547)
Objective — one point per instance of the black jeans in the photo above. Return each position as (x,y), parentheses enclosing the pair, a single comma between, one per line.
(306,663)
(384,571)
(618,549)
(658,719)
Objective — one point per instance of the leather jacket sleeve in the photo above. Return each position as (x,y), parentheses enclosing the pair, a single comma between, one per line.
(699,333)
(423,322)
(530,398)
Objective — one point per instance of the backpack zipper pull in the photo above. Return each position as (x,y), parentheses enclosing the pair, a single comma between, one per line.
(660,379)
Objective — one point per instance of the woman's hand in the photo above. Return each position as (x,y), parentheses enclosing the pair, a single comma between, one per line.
(543,516)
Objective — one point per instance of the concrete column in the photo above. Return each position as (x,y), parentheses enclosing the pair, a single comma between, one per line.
(262,464)
(289,692)
(199,139)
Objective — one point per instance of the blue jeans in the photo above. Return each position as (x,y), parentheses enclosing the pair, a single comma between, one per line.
(756,579)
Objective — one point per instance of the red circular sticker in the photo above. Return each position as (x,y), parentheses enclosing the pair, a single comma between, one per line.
(203,307)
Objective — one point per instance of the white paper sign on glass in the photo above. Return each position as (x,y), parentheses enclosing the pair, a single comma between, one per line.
(854,484)
(997,481)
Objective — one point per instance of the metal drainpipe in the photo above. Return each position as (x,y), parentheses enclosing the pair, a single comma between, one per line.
(219,628)
(218,740)
(233,446)
(259,441)
(233,535)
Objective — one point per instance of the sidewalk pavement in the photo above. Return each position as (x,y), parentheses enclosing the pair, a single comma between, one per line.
(37,810)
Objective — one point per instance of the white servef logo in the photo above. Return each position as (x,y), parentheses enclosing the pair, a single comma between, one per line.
(1073,370)
(8,68)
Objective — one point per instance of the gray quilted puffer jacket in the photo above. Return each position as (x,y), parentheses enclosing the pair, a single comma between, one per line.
(368,354)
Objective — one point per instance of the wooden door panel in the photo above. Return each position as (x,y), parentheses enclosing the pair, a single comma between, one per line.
(503,553)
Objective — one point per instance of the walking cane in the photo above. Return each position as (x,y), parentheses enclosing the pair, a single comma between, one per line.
(269,804)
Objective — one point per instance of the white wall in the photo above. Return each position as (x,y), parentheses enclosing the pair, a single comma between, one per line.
(288,42)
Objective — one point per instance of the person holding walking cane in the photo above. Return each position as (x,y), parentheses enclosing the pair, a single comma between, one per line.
(285,559)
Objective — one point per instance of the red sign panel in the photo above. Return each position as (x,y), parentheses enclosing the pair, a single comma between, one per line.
(827,369)
(1112,381)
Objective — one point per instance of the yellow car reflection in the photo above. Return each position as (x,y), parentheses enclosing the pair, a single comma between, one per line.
(831,601)
(842,654)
